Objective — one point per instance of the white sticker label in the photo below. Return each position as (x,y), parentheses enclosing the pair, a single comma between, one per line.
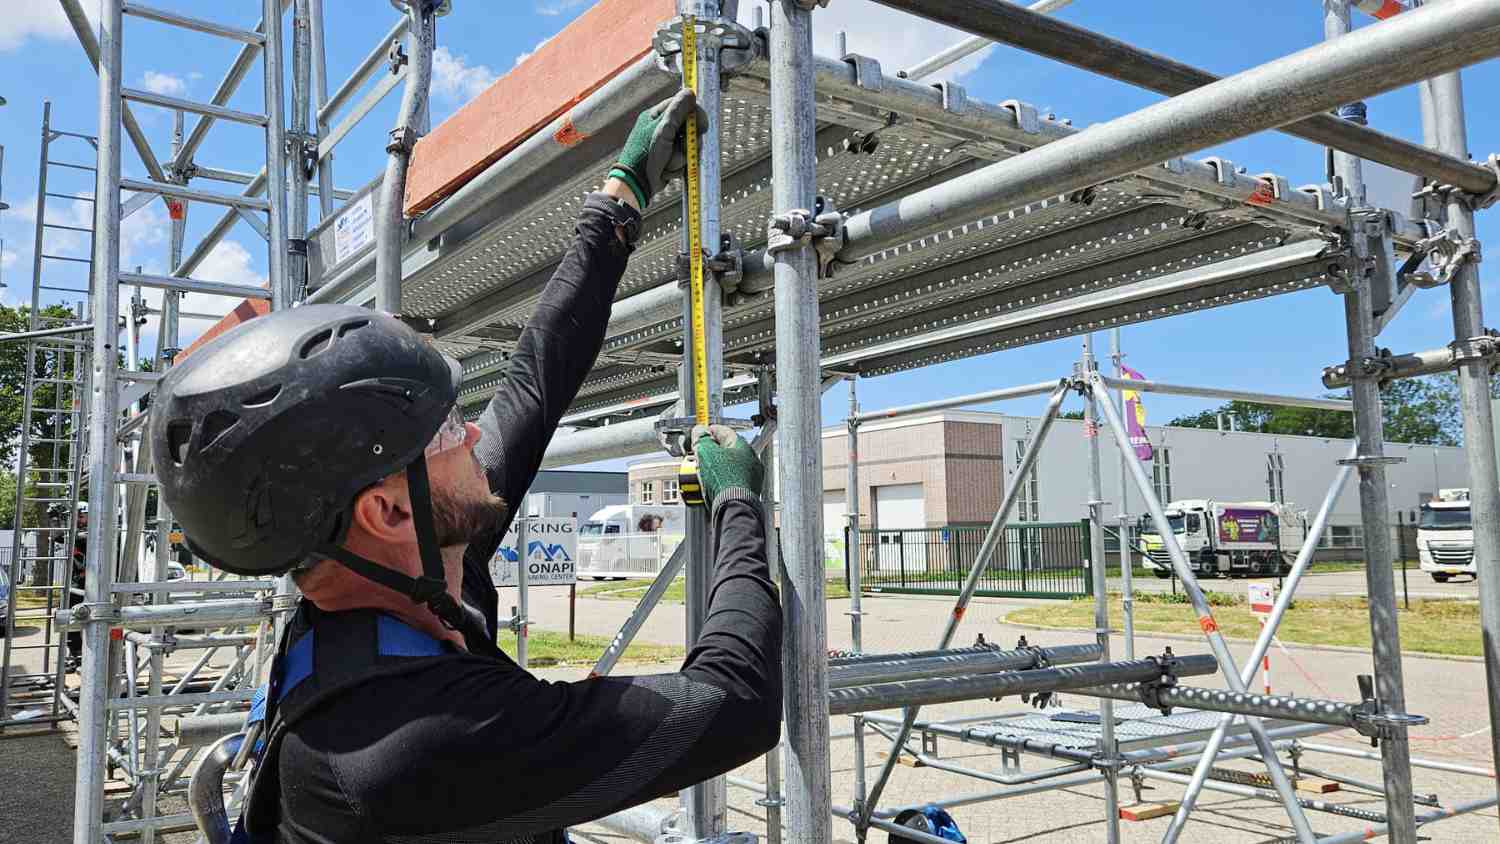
(551,552)
(354,229)
(1262,598)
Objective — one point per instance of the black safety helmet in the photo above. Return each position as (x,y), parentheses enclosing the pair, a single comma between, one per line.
(265,435)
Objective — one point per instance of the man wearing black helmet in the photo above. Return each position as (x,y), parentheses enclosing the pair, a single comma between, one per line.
(326,439)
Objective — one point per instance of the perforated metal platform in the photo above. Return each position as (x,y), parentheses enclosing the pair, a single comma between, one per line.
(1136,727)
(1183,236)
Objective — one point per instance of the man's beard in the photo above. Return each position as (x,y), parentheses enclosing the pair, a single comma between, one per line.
(458,520)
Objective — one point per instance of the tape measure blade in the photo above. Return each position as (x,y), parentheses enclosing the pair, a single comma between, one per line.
(693,198)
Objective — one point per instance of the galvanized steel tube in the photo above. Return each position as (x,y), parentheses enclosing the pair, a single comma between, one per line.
(390,222)
(93,711)
(1012,24)
(1427,41)
(1444,97)
(799,451)
(982,662)
(278,257)
(976,687)
(1303,710)
(1021,392)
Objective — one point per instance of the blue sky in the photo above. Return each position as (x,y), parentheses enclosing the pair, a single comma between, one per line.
(1277,345)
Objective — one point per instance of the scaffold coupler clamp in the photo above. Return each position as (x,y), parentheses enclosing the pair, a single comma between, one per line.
(1150,690)
(1375,724)
(734,43)
(822,227)
(727,267)
(1376,366)
(1485,200)
(1485,347)
(1039,661)
(1447,252)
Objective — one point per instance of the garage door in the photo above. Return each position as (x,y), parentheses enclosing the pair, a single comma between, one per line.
(900,508)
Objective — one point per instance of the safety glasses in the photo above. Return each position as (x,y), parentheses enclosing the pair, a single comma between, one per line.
(450,435)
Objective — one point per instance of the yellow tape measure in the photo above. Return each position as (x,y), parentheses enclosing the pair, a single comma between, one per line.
(689,486)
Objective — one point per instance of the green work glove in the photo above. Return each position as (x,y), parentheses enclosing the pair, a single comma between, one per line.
(656,150)
(725,462)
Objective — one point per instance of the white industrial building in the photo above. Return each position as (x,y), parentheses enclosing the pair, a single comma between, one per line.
(952,467)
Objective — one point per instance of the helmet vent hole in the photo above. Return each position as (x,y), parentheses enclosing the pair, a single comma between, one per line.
(319,342)
(263,398)
(352,326)
(179,434)
(215,425)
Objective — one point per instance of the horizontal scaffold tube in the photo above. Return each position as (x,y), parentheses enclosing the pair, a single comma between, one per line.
(860,659)
(1013,24)
(953,665)
(1429,41)
(607,442)
(203,614)
(848,701)
(1308,710)
(1233,395)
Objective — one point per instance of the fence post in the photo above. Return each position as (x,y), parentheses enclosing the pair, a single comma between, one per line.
(901,555)
(1087,539)
(1401,550)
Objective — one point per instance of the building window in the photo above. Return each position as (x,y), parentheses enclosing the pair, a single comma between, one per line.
(648,492)
(1161,474)
(669,493)
(1275,477)
(1029,504)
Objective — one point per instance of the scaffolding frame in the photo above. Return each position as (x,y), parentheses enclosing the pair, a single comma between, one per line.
(1355,246)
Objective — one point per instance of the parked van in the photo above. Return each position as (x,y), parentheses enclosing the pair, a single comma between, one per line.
(629,540)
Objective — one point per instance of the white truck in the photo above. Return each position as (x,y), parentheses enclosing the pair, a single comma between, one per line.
(1232,538)
(1445,536)
(629,540)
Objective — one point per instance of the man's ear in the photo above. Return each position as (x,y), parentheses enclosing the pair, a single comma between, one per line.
(383,512)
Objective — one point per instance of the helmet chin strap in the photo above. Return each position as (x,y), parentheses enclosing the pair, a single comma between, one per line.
(431,588)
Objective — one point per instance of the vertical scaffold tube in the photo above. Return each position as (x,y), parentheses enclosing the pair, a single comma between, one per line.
(856,575)
(1101,590)
(707,803)
(1443,98)
(799,449)
(93,712)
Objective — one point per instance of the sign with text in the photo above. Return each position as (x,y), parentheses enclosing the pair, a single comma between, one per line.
(1262,598)
(1237,524)
(551,553)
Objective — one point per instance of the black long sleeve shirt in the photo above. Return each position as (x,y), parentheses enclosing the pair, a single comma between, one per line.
(476,749)
(552,357)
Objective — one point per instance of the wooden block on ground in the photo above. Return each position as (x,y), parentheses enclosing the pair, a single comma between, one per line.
(1147,811)
(905,759)
(1315,785)
(602,42)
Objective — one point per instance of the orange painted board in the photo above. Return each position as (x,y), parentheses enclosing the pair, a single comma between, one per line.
(1147,811)
(243,312)
(604,41)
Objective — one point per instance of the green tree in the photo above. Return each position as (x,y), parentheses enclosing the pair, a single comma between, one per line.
(1416,410)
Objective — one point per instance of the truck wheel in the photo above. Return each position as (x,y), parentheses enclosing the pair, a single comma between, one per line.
(1257,568)
(1440,578)
(1208,569)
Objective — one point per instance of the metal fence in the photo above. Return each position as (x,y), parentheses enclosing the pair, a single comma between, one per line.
(1034,560)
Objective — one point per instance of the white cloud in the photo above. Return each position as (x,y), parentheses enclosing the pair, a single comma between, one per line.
(229,263)
(897,39)
(36,18)
(164,83)
(8,259)
(457,80)
(552,8)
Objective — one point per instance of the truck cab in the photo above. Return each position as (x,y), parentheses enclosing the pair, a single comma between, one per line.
(1445,536)
(629,540)
(1189,525)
